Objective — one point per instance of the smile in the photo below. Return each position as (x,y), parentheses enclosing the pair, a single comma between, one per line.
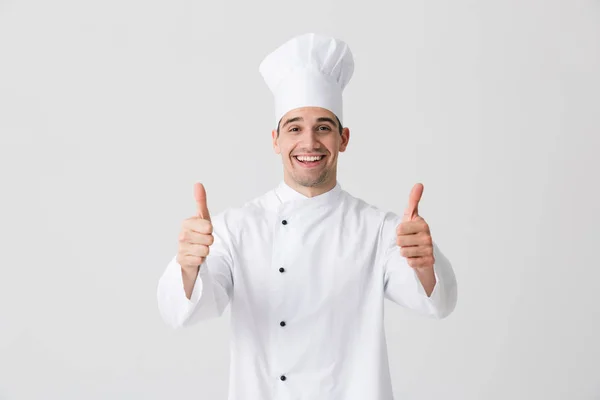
(310,161)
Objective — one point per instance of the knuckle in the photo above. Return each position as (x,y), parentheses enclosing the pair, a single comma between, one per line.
(183,236)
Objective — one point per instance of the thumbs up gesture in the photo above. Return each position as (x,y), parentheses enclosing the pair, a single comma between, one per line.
(413,235)
(196,234)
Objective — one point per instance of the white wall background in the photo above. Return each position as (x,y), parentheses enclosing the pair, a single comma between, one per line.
(111,110)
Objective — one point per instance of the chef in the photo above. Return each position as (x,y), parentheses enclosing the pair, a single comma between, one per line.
(306,267)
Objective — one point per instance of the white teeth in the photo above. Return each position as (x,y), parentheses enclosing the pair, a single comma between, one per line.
(309,158)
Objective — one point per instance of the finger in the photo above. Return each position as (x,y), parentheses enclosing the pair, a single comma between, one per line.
(196,238)
(416,251)
(412,210)
(192,260)
(197,224)
(200,195)
(200,225)
(412,227)
(420,262)
(196,250)
(417,239)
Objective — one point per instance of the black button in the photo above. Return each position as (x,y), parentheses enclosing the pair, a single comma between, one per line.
(281,269)
(283,378)
(284,222)
(282,323)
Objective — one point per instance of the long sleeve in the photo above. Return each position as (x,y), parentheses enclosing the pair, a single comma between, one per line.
(212,288)
(401,284)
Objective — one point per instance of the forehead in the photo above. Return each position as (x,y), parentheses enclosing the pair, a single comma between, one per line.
(308,114)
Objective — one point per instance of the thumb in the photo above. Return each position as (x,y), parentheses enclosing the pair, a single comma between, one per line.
(412,210)
(200,195)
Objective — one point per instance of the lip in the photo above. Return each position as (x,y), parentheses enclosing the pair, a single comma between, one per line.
(309,165)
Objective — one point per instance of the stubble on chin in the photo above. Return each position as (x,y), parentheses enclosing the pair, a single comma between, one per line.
(309,181)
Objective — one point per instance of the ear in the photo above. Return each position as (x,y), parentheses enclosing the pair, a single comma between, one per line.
(275,144)
(345,139)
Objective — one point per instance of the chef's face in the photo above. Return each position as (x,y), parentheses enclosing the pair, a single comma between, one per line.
(309,140)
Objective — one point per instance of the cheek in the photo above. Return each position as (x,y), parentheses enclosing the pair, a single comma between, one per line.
(286,147)
(284,150)
(333,146)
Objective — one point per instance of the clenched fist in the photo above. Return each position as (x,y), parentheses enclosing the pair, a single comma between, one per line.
(196,234)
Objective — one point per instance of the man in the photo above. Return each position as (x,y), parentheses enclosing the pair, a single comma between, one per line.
(306,267)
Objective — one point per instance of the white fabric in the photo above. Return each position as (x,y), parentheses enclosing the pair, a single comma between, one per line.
(340,261)
(308,70)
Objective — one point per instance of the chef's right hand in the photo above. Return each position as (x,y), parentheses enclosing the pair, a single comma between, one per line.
(196,234)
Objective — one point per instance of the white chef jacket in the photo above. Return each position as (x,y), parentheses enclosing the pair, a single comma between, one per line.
(306,280)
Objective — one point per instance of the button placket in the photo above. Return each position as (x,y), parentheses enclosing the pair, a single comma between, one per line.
(281,232)
(281,269)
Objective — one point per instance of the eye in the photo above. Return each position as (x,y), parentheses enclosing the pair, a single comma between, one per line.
(296,129)
(326,127)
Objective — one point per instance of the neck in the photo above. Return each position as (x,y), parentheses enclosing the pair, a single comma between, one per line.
(311,191)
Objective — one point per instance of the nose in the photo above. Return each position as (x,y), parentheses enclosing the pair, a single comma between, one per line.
(310,140)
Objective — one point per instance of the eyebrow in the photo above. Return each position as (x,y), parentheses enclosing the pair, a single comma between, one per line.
(289,121)
(320,119)
(327,119)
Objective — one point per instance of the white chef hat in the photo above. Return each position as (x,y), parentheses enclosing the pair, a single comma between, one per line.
(309,70)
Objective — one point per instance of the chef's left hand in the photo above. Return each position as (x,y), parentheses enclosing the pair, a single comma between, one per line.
(413,235)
